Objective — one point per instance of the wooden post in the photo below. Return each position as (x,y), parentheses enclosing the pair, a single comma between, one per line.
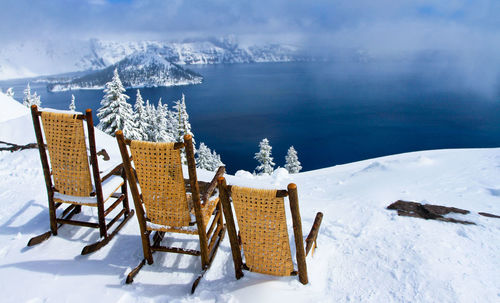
(231,227)
(195,194)
(141,216)
(95,171)
(313,234)
(297,232)
(46,169)
(124,191)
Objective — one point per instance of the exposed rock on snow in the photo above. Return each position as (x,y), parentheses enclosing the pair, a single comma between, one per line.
(428,211)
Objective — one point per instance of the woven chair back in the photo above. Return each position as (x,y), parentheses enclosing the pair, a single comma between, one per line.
(65,140)
(262,222)
(159,173)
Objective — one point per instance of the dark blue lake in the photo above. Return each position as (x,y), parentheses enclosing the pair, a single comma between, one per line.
(331,113)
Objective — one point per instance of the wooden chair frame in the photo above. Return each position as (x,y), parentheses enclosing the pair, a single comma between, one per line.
(301,253)
(209,240)
(72,209)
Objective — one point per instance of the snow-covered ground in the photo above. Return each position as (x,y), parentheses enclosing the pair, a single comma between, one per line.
(366,253)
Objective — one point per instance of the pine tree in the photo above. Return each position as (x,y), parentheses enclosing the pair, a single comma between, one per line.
(207,159)
(150,120)
(141,118)
(183,126)
(292,161)
(72,106)
(115,113)
(159,129)
(216,161)
(27,96)
(264,158)
(10,92)
(204,157)
(30,99)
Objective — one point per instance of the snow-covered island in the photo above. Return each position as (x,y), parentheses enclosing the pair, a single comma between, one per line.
(365,252)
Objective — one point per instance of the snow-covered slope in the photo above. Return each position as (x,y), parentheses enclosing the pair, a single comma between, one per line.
(143,69)
(11,109)
(35,58)
(365,252)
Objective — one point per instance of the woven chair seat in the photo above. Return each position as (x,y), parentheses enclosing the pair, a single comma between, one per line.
(206,211)
(109,186)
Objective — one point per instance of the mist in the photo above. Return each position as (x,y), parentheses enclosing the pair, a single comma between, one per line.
(465,34)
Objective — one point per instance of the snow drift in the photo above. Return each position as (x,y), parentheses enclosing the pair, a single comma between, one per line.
(365,252)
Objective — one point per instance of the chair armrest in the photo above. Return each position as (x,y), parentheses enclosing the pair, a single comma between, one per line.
(208,193)
(313,234)
(117,170)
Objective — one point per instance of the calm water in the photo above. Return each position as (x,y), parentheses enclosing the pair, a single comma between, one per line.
(331,113)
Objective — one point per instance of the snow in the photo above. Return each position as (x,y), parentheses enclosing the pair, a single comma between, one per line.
(13,110)
(365,252)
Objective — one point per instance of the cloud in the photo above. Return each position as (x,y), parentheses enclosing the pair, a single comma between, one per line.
(377,25)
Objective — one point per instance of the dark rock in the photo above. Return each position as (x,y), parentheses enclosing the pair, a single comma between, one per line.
(427,211)
(489,215)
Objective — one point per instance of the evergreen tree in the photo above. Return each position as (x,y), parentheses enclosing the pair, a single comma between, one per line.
(207,159)
(292,161)
(115,113)
(183,126)
(141,118)
(72,106)
(151,120)
(264,158)
(27,96)
(216,161)
(10,92)
(30,99)
(159,129)
(204,157)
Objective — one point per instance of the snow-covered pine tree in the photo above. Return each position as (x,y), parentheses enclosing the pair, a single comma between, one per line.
(216,161)
(35,99)
(30,99)
(115,113)
(141,118)
(264,158)
(159,127)
(72,106)
(183,126)
(10,92)
(150,120)
(27,96)
(207,159)
(169,122)
(204,157)
(292,161)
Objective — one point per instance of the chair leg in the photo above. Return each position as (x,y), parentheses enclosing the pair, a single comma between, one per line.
(125,192)
(220,237)
(99,244)
(157,237)
(40,238)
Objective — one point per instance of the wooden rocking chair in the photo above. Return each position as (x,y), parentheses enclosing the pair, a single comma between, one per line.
(68,175)
(263,231)
(163,204)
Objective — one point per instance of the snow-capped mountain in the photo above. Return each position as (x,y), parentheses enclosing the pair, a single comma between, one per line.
(35,58)
(142,69)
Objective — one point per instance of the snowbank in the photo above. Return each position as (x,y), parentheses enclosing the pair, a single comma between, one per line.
(11,109)
(365,252)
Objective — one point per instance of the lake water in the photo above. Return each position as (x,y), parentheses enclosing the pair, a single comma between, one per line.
(331,113)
